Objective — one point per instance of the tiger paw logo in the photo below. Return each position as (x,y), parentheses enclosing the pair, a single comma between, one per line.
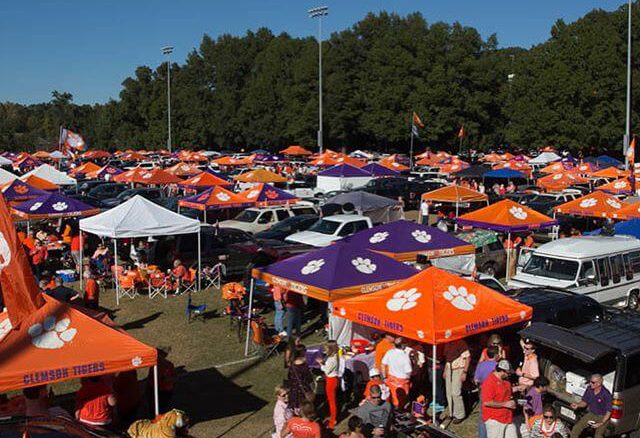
(271,194)
(52,334)
(21,190)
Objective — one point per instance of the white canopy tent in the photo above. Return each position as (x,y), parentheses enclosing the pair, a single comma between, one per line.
(545,158)
(4,161)
(51,174)
(138,217)
(6,176)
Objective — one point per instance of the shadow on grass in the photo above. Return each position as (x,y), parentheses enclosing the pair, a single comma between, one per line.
(209,395)
(140,323)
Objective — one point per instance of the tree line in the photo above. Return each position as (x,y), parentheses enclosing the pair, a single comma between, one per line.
(260,90)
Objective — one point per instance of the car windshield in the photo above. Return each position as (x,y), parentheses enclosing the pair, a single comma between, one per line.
(325,227)
(550,267)
(247,216)
(125,194)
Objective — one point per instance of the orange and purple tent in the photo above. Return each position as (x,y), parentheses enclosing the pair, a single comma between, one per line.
(596,204)
(215,198)
(507,216)
(230,161)
(40,183)
(454,194)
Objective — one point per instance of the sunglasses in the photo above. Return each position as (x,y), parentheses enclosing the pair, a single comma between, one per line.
(375,397)
(549,417)
(594,382)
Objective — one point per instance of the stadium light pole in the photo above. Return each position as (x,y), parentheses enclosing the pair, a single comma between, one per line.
(318,13)
(627,131)
(168,50)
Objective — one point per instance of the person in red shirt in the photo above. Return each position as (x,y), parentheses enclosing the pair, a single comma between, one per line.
(94,403)
(91,292)
(304,426)
(294,303)
(75,250)
(179,273)
(39,256)
(29,242)
(498,404)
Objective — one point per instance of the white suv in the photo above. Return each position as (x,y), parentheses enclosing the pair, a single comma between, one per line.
(254,220)
(331,228)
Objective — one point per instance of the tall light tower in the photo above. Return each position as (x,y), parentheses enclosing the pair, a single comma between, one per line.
(318,13)
(627,131)
(168,50)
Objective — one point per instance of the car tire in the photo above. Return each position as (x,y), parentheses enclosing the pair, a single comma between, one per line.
(633,302)
(489,269)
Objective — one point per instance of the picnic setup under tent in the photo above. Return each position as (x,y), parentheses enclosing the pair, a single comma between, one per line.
(595,204)
(52,175)
(215,198)
(18,190)
(403,240)
(265,194)
(138,217)
(435,307)
(455,195)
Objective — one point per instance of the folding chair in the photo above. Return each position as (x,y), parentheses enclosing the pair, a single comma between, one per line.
(264,344)
(190,285)
(213,277)
(157,284)
(126,287)
(194,311)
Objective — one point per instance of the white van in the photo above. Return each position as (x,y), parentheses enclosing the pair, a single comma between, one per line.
(605,268)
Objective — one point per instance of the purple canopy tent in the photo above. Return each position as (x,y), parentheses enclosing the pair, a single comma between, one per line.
(376,169)
(334,272)
(404,240)
(344,170)
(18,190)
(108,171)
(266,194)
(53,206)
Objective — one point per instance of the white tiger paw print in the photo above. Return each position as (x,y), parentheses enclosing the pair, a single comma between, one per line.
(379,237)
(136,361)
(223,197)
(253,193)
(589,202)
(312,267)
(35,206)
(620,185)
(364,265)
(421,236)
(60,206)
(5,328)
(460,298)
(557,176)
(614,203)
(51,335)
(404,300)
(518,213)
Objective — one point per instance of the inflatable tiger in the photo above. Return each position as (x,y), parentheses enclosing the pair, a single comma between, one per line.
(164,426)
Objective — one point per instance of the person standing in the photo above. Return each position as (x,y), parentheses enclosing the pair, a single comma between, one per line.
(498,404)
(330,366)
(91,291)
(39,255)
(385,344)
(294,304)
(424,212)
(533,407)
(281,412)
(75,251)
(303,426)
(278,318)
(529,369)
(375,413)
(484,370)
(396,370)
(457,361)
(598,401)
(300,380)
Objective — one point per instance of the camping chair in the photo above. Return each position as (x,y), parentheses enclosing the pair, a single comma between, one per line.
(194,311)
(234,293)
(190,285)
(264,344)
(126,287)
(212,277)
(157,284)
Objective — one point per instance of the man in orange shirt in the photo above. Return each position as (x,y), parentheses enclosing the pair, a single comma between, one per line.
(39,256)
(94,403)
(385,344)
(91,292)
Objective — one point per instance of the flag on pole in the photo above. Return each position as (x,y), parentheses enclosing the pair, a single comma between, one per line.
(72,141)
(414,131)
(461,133)
(417,121)
(631,153)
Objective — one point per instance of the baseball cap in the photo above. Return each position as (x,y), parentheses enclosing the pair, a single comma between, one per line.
(374,372)
(504,365)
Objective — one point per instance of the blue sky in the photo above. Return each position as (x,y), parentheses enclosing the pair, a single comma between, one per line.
(89,47)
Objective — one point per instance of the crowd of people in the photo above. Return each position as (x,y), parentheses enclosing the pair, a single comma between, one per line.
(512,400)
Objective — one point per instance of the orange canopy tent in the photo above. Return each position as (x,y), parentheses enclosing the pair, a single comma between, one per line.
(585,169)
(295,150)
(560,181)
(620,186)
(215,198)
(129,175)
(40,183)
(454,194)
(630,211)
(394,165)
(93,155)
(345,159)
(204,180)
(156,176)
(596,204)
(230,161)
(506,216)
(455,166)
(132,156)
(85,168)
(520,166)
(324,160)
(183,169)
(433,306)
(610,172)
(42,155)
(260,176)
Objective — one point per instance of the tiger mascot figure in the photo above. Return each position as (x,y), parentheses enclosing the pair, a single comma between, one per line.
(168,425)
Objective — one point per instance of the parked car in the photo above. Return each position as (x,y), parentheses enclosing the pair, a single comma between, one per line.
(606,268)
(392,188)
(329,229)
(255,219)
(491,258)
(151,193)
(288,226)
(107,190)
(569,356)
(545,202)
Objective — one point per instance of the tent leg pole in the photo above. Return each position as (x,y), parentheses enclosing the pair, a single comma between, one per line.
(433,386)
(509,256)
(81,262)
(205,215)
(156,393)
(246,344)
(199,260)
(115,263)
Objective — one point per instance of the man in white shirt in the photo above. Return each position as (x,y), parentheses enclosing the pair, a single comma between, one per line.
(396,369)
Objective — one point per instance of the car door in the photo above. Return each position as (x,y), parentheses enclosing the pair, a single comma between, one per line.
(346,230)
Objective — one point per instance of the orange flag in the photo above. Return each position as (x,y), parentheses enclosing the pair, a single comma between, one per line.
(631,152)
(461,133)
(417,121)
(20,292)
